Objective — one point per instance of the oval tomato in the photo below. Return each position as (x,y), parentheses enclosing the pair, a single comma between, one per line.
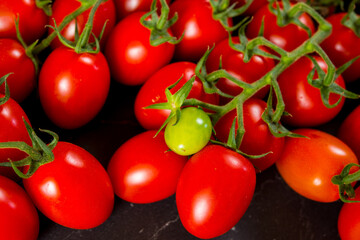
(19,219)
(308,164)
(74,190)
(349,219)
(142,170)
(214,190)
(73,87)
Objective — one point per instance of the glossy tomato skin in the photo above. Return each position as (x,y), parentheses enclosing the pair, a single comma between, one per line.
(288,37)
(12,128)
(343,49)
(200,29)
(142,170)
(19,219)
(105,12)
(13,59)
(302,100)
(214,191)
(126,7)
(349,131)
(131,58)
(74,190)
(153,91)
(257,139)
(308,164)
(73,87)
(32,20)
(349,219)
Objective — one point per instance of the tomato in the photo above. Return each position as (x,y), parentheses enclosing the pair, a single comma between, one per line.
(19,219)
(308,164)
(32,20)
(12,128)
(343,49)
(302,100)
(190,133)
(13,59)
(288,37)
(126,7)
(349,219)
(74,190)
(349,131)
(200,29)
(153,91)
(254,6)
(257,139)
(142,170)
(105,12)
(73,87)
(233,62)
(214,190)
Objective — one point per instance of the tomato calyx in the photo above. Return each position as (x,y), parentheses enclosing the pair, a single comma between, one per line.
(7,90)
(351,19)
(344,180)
(38,154)
(45,5)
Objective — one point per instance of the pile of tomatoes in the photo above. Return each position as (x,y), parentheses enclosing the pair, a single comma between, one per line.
(193,141)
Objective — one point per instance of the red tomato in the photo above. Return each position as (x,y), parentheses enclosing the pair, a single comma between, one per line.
(131,58)
(105,12)
(349,219)
(126,7)
(13,59)
(19,219)
(254,6)
(73,87)
(233,62)
(32,20)
(257,139)
(201,30)
(211,196)
(142,170)
(343,49)
(74,190)
(12,128)
(289,37)
(349,131)
(302,100)
(308,164)
(153,91)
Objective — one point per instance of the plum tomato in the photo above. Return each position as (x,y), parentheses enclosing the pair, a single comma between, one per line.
(349,219)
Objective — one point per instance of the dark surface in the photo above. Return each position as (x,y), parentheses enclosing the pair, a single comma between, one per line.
(276,212)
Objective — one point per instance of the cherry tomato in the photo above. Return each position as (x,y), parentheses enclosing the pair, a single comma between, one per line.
(13,59)
(73,87)
(74,190)
(142,170)
(302,100)
(257,139)
(105,13)
(254,6)
(190,133)
(126,7)
(214,190)
(153,91)
(32,20)
(131,58)
(289,37)
(308,164)
(349,219)
(343,49)
(12,128)
(19,219)
(200,29)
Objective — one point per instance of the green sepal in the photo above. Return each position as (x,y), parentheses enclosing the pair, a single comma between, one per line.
(351,19)
(6,87)
(45,5)
(344,181)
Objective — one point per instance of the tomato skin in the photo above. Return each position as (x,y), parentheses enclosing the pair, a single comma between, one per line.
(12,128)
(153,91)
(201,30)
(254,6)
(343,49)
(214,190)
(19,219)
(308,164)
(73,87)
(32,20)
(128,49)
(349,219)
(142,170)
(13,59)
(257,139)
(302,100)
(74,190)
(126,7)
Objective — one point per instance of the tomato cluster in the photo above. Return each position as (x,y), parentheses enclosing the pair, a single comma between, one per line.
(221,91)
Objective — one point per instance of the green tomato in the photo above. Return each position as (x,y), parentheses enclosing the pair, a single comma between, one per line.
(190,134)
